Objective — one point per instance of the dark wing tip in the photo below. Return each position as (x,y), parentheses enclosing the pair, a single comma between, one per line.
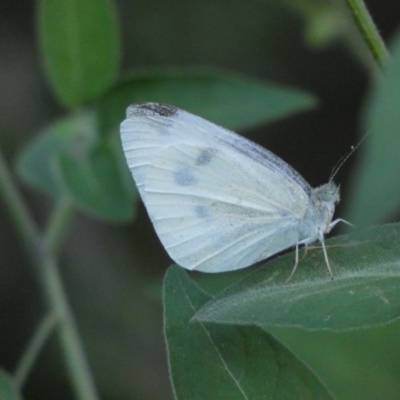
(150,109)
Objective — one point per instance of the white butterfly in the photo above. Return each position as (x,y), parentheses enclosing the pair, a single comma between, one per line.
(218,201)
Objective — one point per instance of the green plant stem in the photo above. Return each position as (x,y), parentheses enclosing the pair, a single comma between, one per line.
(50,279)
(33,350)
(58,223)
(70,341)
(369,31)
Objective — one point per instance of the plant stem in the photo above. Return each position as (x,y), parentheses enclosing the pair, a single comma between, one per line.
(369,31)
(24,224)
(67,330)
(33,350)
(50,279)
(58,223)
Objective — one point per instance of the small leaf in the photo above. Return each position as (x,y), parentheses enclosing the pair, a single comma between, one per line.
(230,100)
(376,183)
(325,22)
(209,361)
(99,181)
(38,164)
(80,45)
(364,292)
(67,159)
(7,388)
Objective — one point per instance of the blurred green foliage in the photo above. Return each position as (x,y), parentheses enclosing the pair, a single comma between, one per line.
(314,56)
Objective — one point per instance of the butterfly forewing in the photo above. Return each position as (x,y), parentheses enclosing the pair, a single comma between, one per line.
(149,127)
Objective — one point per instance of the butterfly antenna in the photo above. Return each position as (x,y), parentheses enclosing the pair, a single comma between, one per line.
(343,159)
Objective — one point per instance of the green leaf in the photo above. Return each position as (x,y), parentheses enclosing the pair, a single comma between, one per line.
(209,361)
(67,159)
(38,164)
(376,183)
(325,22)
(99,181)
(80,45)
(7,388)
(230,100)
(364,292)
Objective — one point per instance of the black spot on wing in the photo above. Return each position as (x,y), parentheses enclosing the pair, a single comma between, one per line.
(184,177)
(151,109)
(203,212)
(205,156)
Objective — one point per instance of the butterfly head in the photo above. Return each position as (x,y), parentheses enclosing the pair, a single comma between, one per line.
(328,193)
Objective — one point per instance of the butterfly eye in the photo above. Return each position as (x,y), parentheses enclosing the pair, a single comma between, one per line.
(329,193)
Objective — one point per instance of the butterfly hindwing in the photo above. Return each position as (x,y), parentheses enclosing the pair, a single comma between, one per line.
(211,215)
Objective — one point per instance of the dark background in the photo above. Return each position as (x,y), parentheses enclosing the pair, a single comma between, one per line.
(114,273)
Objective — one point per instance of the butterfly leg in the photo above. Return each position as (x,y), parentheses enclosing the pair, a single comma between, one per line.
(327,259)
(321,239)
(296,263)
(305,250)
(335,222)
